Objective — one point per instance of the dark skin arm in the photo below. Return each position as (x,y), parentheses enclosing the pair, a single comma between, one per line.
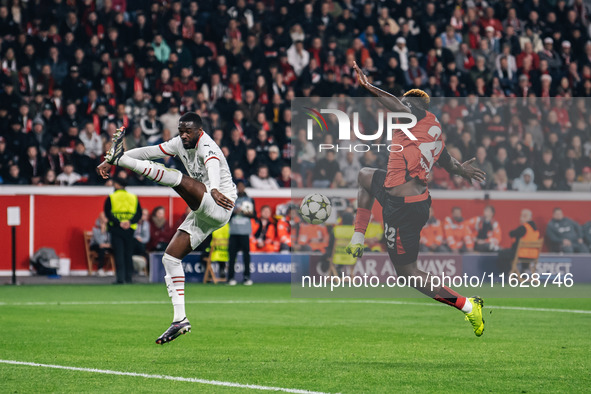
(386,99)
(221,200)
(103,169)
(464,169)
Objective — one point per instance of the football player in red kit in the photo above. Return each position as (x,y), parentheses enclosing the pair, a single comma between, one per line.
(402,192)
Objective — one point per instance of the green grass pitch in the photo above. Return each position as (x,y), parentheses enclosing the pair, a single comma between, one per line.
(262,336)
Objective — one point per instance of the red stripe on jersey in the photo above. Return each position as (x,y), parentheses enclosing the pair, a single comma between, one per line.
(143,172)
(156,176)
(212,157)
(399,247)
(198,139)
(178,281)
(418,197)
(176,277)
(161,176)
(163,151)
(150,170)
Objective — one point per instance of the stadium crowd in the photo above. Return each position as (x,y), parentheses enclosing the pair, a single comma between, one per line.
(73,71)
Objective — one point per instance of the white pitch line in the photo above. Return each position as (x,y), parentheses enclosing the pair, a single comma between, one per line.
(302,301)
(164,377)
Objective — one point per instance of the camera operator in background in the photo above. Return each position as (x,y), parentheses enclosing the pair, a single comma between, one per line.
(240,230)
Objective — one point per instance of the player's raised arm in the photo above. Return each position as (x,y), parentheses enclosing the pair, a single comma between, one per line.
(211,160)
(465,169)
(388,100)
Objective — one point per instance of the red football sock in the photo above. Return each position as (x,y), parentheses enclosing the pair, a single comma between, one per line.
(450,297)
(362,220)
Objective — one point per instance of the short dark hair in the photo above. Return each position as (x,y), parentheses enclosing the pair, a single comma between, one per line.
(192,117)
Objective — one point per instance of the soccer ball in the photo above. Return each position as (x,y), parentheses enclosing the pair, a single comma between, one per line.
(247,207)
(315,208)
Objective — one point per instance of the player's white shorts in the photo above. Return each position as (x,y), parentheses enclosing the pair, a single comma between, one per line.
(205,220)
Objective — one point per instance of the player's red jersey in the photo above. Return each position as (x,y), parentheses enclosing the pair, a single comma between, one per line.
(417,157)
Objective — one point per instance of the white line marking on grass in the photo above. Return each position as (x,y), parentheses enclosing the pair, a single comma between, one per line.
(302,301)
(165,377)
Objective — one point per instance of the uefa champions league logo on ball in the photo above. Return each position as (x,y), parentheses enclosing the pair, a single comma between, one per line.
(345,126)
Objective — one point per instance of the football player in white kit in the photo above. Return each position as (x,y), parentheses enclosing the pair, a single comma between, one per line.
(208,191)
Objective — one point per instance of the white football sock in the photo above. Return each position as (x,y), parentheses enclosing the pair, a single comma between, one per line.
(157,172)
(175,283)
(467,308)
(358,238)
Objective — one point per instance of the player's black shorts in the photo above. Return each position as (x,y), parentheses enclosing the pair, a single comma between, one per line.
(404,217)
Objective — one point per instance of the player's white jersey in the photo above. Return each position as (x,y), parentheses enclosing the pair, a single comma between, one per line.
(194,161)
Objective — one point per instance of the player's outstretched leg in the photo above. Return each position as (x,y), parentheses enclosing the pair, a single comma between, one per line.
(364,204)
(179,246)
(472,307)
(157,172)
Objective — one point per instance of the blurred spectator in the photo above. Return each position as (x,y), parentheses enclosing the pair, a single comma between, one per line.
(136,107)
(482,163)
(568,180)
(160,231)
(548,167)
(501,182)
(14,176)
(587,234)
(547,184)
(68,142)
(262,180)
(151,126)
(564,234)
(525,183)
(142,234)
(33,167)
(528,231)
(486,231)
(101,242)
(264,232)
(135,138)
(274,162)
(49,178)
(170,120)
(305,153)
(432,235)
(69,176)
(584,183)
(457,233)
(285,179)
(325,170)
(39,136)
(92,142)
(83,164)
(284,229)
(350,167)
